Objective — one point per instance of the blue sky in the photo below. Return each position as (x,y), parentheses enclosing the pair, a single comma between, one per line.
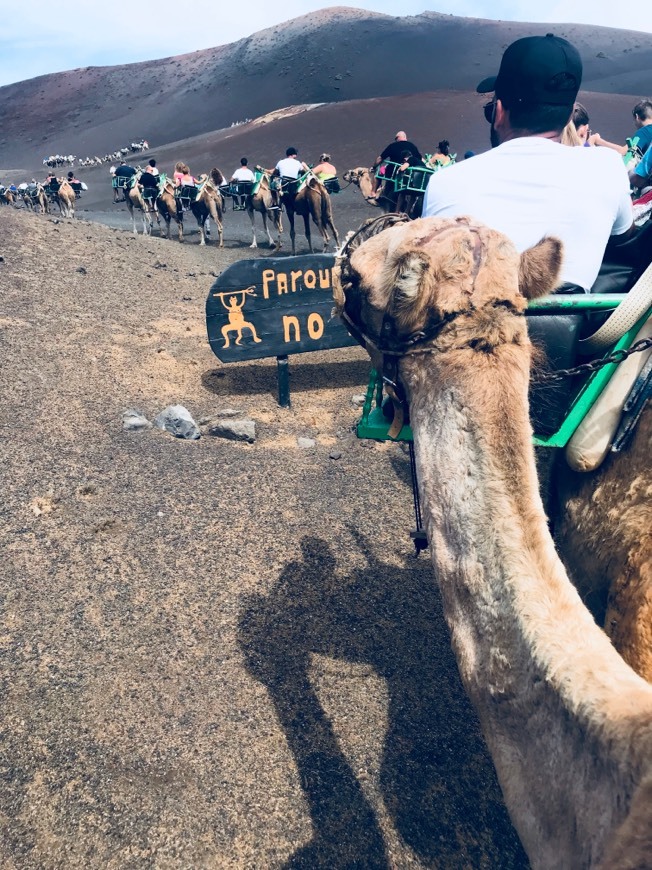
(37,37)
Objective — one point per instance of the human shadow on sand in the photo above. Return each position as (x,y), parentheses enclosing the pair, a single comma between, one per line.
(436,779)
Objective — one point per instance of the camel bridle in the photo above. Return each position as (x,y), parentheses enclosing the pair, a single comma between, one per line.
(383,337)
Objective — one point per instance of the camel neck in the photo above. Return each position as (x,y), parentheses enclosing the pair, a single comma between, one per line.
(527,649)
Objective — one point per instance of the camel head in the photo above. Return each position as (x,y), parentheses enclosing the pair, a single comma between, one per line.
(401,282)
(353,176)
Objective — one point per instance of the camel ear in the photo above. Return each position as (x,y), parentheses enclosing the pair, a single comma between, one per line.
(538,271)
(408,273)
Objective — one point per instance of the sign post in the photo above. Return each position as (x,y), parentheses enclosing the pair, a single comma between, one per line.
(274,306)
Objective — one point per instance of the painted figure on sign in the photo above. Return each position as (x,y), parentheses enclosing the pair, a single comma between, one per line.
(236,318)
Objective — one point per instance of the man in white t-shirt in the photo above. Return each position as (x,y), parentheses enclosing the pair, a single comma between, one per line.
(290,166)
(242,182)
(287,170)
(530,185)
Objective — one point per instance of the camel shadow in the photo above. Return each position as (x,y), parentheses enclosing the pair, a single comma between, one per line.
(437,782)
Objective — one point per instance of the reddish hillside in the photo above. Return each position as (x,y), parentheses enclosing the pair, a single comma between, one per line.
(336,54)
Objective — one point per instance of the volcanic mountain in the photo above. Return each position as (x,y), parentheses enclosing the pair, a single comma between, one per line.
(336,55)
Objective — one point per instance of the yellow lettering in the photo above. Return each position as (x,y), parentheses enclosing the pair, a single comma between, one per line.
(310,279)
(294,276)
(315,326)
(324,279)
(282,283)
(268,277)
(288,321)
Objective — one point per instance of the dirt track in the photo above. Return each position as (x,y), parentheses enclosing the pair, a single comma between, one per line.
(213,654)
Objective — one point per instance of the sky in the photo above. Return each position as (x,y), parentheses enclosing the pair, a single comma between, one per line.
(38,38)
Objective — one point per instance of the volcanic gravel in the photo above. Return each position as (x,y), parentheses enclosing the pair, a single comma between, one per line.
(212,653)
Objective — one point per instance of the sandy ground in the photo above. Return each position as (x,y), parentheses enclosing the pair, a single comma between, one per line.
(212,654)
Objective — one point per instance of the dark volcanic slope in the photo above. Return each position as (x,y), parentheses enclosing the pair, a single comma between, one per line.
(332,55)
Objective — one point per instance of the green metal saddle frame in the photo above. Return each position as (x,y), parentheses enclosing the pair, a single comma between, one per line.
(374,425)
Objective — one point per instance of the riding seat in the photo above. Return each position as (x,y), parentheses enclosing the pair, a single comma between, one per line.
(332,185)
(290,185)
(558,334)
(239,190)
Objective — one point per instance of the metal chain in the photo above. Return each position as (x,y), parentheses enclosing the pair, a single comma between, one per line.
(586,368)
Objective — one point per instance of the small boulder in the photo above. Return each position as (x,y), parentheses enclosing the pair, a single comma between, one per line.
(358,401)
(306,443)
(135,421)
(335,454)
(178,421)
(234,430)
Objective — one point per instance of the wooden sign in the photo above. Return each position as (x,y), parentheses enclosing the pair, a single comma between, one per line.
(274,306)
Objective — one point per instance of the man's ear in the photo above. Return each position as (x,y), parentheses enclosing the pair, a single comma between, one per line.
(538,271)
(500,113)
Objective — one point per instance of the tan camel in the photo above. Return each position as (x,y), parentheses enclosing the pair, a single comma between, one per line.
(66,199)
(263,203)
(384,196)
(40,200)
(567,721)
(169,208)
(603,527)
(312,201)
(136,201)
(9,197)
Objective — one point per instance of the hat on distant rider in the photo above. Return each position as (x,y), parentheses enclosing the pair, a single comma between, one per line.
(537,70)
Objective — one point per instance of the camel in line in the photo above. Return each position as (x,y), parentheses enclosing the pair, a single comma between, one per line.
(36,200)
(263,203)
(209,204)
(169,208)
(312,201)
(567,722)
(66,198)
(9,197)
(137,201)
(385,197)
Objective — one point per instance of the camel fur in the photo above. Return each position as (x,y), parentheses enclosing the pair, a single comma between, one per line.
(567,721)
(136,200)
(263,203)
(603,523)
(312,201)
(66,199)
(169,208)
(38,201)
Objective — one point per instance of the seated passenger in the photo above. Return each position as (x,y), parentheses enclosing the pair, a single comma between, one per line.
(324,169)
(288,170)
(120,181)
(642,137)
(242,182)
(148,183)
(151,167)
(327,174)
(442,156)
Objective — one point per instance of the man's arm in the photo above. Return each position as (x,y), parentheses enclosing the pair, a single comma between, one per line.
(596,139)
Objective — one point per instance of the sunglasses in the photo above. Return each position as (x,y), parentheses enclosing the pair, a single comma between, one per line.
(489,110)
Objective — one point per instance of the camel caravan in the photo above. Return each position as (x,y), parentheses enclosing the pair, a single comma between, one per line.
(205,197)
(438,303)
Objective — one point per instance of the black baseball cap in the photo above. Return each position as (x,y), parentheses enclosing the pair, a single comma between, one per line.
(544,70)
